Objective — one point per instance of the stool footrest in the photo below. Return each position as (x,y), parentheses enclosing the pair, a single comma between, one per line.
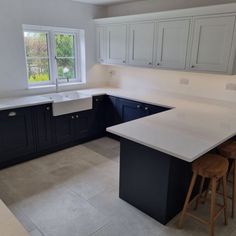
(205,221)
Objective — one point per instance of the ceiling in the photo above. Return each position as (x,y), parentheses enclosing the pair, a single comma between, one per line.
(105,2)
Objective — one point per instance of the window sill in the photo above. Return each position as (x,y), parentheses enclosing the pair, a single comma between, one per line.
(71,83)
(45,86)
(49,86)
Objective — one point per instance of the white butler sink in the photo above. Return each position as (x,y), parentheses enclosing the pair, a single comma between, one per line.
(69,102)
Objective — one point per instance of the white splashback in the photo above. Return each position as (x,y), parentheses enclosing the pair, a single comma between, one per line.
(200,84)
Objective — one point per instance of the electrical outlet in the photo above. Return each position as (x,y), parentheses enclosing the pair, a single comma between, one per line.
(230,86)
(184,81)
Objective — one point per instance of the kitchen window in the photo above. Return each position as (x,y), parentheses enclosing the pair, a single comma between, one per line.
(54,55)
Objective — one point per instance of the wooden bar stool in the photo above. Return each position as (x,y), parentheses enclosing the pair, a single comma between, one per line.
(215,168)
(228,150)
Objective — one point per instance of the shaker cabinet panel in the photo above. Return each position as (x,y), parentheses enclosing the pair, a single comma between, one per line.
(172,43)
(99,115)
(116,44)
(83,125)
(100,39)
(64,129)
(44,126)
(16,134)
(112,116)
(141,44)
(212,41)
(130,110)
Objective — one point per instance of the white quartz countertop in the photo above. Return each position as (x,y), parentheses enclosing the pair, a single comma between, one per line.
(18,102)
(192,128)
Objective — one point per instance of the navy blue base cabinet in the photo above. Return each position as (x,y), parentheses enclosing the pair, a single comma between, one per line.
(130,110)
(31,132)
(152,181)
(122,110)
(44,126)
(64,129)
(113,116)
(98,126)
(17,137)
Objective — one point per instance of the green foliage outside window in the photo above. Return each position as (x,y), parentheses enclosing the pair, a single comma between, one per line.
(36,44)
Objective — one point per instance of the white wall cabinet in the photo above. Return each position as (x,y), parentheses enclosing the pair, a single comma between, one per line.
(212,43)
(100,44)
(201,39)
(116,44)
(141,44)
(172,44)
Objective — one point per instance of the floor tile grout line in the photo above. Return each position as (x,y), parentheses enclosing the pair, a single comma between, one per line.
(100,228)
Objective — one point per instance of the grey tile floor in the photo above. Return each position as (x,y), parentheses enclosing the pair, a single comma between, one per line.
(74,192)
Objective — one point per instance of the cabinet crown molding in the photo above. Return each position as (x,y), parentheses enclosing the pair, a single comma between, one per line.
(229,8)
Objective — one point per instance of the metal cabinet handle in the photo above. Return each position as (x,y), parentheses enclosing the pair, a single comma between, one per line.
(77,116)
(97,100)
(48,108)
(72,117)
(146,108)
(192,66)
(12,114)
(138,106)
(158,64)
(150,63)
(124,61)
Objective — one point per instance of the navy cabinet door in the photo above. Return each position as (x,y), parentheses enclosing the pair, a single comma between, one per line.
(112,111)
(151,109)
(44,126)
(64,129)
(98,118)
(130,110)
(16,134)
(83,125)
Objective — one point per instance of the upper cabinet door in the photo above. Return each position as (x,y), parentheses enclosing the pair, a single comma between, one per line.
(212,41)
(172,45)
(141,44)
(116,44)
(100,37)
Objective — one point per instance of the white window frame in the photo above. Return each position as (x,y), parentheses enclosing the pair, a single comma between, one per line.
(79,51)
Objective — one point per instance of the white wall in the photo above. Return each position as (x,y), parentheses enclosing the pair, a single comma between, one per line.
(200,84)
(61,13)
(158,5)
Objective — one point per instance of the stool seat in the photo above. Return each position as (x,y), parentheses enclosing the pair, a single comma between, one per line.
(228,149)
(211,165)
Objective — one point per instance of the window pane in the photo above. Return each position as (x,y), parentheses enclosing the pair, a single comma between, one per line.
(38,70)
(64,45)
(66,68)
(36,44)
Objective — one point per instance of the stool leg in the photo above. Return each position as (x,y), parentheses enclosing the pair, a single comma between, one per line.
(187,199)
(200,193)
(213,204)
(206,193)
(234,188)
(225,198)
